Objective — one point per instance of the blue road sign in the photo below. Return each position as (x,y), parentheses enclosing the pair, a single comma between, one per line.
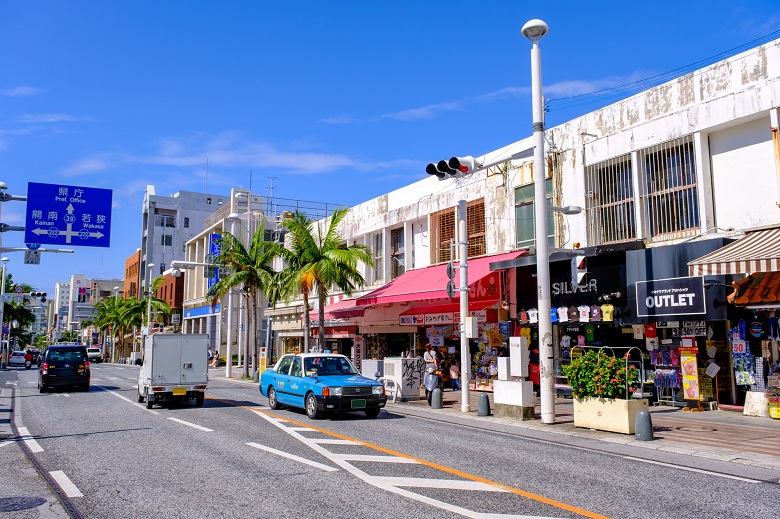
(68,215)
(33,246)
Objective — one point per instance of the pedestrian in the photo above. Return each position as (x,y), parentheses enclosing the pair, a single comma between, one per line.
(215,360)
(407,353)
(455,375)
(430,357)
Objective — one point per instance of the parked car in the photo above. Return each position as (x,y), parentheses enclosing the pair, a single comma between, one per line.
(319,383)
(95,355)
(16,358)
(64,366)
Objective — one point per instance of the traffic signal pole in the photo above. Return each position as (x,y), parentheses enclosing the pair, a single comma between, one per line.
(465,354)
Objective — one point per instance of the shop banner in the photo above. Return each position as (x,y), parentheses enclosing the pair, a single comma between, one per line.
(675,296)
(690,369)
(438,319)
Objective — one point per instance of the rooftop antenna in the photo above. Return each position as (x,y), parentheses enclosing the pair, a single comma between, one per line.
(207,175)
(271,186)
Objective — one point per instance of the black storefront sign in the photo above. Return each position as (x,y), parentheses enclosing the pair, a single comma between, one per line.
(675,296)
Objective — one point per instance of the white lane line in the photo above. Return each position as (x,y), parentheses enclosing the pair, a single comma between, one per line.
(31,443)
(293,457)
(333,441)
(63,394)
(33,382)
(10,383)
(128,400)
(194,426)
(691,469)
(113,378)
(369,457)
(3,444)
(305,429)
(66,484)
(436,483)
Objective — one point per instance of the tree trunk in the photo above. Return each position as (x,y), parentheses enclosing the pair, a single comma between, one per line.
(248,332)
(321,312)
(306,321)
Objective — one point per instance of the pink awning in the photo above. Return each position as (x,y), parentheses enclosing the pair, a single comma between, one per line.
(431,282)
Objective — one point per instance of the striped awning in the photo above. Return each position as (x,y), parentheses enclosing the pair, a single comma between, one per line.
(757,251)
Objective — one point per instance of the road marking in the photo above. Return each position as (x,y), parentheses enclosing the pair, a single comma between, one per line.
(375,459)
(24,434)
(330,441)
(691,469)
(32,381)
(128,400)
(10,383)
(63,394)
(194,426)
(66,484)
(293,457)
(113,378)
(3,444)
(395,456)
(454,484)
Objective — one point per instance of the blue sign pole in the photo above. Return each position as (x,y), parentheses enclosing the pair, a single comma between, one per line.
(59,214)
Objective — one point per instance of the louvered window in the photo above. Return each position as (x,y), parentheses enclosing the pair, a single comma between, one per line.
(442,235)
(475,225)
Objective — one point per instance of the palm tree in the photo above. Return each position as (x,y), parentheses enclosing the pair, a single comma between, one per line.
(252,270)
(109,312)
(318,261)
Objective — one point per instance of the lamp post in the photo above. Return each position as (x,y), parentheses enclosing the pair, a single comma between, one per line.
(232,218)
(3,348)
(534,30)
(149,301)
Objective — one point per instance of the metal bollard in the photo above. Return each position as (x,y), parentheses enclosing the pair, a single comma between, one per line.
(436,397)
(483,405)
(644,426)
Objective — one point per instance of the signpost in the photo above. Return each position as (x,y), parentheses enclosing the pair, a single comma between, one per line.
(32,257)
(67,215)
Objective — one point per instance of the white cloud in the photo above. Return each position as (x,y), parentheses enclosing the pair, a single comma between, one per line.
(339,119)
(20,91)
(424,112)
(48,118)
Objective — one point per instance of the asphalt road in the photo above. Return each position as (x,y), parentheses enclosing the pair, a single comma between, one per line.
(234,457)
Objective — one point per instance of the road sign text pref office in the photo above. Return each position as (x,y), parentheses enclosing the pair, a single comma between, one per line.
(68,215)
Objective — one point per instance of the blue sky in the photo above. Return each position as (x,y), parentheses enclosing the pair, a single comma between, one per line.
(341,101)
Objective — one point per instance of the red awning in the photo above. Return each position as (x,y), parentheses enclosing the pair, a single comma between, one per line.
(430,282)
(343,309)
(449,307)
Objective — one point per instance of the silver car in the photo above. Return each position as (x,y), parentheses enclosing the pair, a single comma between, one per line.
(16,358)
(94,355)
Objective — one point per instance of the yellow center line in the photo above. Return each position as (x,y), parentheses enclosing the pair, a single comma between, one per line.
(472,477)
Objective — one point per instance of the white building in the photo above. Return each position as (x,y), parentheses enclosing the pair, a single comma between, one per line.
(60,307)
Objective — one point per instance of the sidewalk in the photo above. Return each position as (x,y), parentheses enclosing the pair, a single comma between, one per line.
(709,435)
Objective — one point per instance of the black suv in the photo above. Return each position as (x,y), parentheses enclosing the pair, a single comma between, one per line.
(64,366)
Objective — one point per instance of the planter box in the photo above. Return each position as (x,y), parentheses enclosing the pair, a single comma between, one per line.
(608,414)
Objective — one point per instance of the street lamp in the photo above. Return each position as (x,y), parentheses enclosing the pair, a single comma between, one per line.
(232,218)
(534,30)
(149,303)
(2,309)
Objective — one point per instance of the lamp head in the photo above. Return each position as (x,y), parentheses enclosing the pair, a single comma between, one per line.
(4,259)
(534,30)
(150,265)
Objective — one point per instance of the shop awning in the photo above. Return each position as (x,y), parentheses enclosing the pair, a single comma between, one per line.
(343,309)
(430,282)
(757,251)
(449,307)
(758,289)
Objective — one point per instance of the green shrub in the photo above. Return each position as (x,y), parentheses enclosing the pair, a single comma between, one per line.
(597,374)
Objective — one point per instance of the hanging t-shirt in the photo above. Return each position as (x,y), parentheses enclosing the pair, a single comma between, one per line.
(565,341)
(650,332)
(523,318)
(595,313)
(580,340)
(553,315)
(526,332)
(533,315)
(639,331)
(584,311)
(574,314)
(606,312)
(563,314)
(589,333)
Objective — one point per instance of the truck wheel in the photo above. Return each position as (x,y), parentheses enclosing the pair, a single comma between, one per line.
(149,403)
(140,397)
(273,403)
(199,399)
(311,406)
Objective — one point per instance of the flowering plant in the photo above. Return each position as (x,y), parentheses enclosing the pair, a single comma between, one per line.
(597,374)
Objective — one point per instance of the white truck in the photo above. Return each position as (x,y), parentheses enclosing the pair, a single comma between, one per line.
(175,367)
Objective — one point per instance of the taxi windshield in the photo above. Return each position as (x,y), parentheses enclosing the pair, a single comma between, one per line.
(329,366)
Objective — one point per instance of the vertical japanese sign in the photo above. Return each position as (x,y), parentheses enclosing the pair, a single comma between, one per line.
(690,369)
(215,249)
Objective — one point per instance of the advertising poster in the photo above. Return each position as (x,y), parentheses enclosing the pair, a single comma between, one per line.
(690,369)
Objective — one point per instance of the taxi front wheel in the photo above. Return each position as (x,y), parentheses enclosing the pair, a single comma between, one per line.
(311,406)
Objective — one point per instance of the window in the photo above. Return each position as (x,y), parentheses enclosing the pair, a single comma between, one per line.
(166,240)
(671,199)
(397,266)
(186,222)
(284,365)
(442,235)
(609,195)
(296,370)
(377,251)
(524,216)
(475,228)
(162,268)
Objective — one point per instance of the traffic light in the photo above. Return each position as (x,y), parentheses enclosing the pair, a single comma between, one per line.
(451,282)
(42,295)
(455,167)
(579,269)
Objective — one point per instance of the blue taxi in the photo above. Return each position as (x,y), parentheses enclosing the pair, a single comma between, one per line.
(319,383)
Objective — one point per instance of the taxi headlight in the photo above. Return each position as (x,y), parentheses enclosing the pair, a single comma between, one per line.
(378,390)
(334,391)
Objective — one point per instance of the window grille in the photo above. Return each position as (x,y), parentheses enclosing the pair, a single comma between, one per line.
(442,235)
(670,200)
(609,201)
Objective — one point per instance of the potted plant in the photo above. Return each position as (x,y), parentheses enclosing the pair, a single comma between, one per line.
(602,392)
